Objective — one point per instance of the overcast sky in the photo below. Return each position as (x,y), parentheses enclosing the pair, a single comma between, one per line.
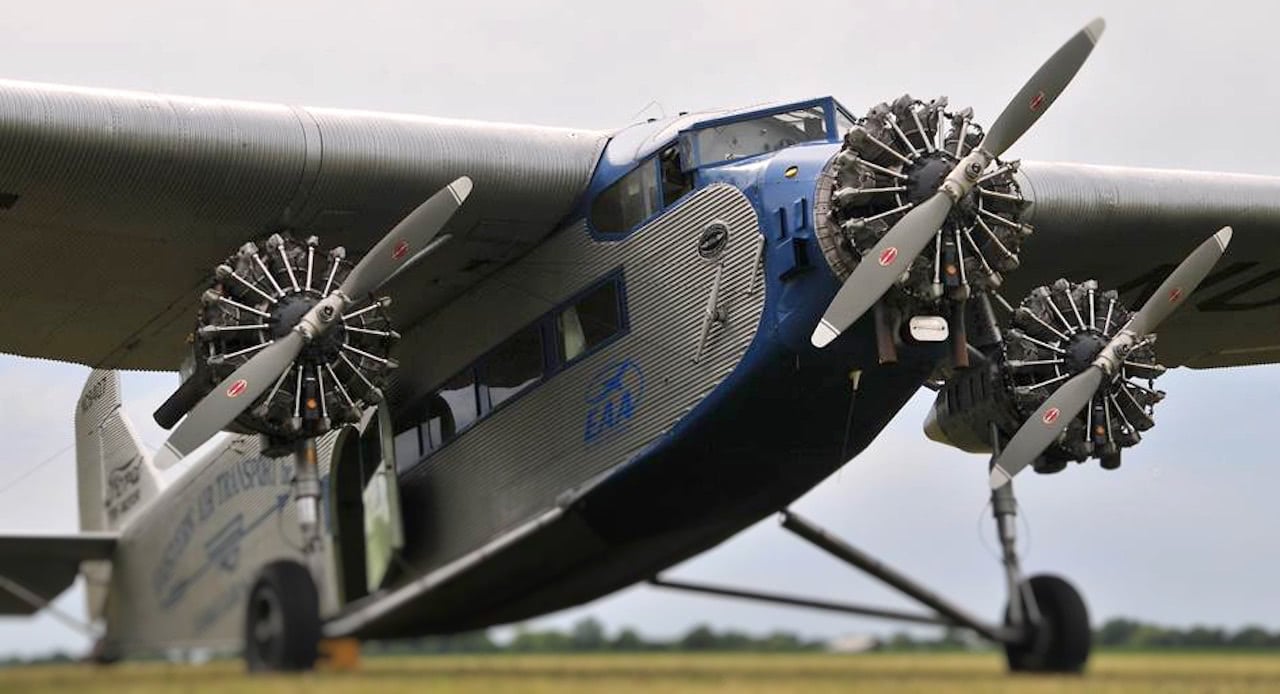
(1183,533)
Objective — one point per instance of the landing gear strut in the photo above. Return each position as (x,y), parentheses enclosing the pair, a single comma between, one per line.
(1045,627)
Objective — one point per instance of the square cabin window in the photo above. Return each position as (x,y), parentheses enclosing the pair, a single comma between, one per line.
(459,396)
(514,366)
(408,448)
(590,321)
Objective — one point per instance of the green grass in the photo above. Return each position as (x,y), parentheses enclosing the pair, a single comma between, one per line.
(671,673)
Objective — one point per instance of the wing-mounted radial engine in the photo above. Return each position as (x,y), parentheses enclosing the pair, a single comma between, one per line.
(1056,333)
(290,341)
(893,160)
(257,297)
(1071,378)
(295,344)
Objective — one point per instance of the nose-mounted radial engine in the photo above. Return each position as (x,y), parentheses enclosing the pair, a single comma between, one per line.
(894,159)
(913,217)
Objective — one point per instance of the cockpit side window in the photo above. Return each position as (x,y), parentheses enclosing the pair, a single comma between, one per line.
(633,199)
(653,186)
(675,180)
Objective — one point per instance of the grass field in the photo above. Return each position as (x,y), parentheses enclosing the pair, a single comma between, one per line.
(670,674)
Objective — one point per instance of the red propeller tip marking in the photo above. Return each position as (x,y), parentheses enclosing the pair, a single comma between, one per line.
(401,249)
(1050,415)
(1037,101)
(237,388)
(887,256)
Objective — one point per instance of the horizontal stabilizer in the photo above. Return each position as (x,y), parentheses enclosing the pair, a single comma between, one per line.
(36,567)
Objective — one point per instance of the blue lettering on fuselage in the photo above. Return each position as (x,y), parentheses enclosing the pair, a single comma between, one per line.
(612,400)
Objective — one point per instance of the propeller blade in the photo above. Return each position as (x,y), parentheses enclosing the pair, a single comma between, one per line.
(881,267)
(1180,283)
(1043,428)
(233,395)
(406,242)
(1044,87)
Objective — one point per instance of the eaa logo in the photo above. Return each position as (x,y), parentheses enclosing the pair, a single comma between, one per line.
(612,400)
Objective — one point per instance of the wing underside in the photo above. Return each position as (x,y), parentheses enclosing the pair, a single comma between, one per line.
(116,206)
(1128,228)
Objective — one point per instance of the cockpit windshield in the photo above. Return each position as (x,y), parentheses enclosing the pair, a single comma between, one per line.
(728,141)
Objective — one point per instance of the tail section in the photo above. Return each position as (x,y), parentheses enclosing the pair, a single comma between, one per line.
(114,472)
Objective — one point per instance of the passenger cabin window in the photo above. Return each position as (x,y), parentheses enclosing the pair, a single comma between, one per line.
(655,184)
(408,447)
(462,406)
(590,321)
(514,366)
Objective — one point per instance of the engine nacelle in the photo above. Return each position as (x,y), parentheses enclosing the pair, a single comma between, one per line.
(1055,333)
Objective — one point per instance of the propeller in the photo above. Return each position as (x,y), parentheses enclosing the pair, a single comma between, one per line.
(406,243)
(896,250)
(1047,423)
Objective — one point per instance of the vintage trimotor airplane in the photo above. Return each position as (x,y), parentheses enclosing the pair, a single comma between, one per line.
(607,352)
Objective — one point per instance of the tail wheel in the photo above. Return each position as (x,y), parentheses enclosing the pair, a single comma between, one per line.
(1062,639)
(282,620)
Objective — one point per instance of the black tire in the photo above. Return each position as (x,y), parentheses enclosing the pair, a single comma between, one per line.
(282,620)
(1061,642)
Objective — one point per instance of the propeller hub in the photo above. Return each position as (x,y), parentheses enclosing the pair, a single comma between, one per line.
(926,176)
(1082,348)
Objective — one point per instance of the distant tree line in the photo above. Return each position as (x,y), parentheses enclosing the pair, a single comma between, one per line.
(590,636)
(1128,633)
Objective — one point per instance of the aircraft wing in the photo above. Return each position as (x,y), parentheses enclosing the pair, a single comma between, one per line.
(1129,227)
(115,206)
(36,568)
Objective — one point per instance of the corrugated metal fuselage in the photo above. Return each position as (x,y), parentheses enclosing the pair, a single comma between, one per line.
(536,507)
(719,438)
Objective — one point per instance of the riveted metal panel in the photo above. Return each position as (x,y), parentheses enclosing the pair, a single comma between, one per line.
(516,463)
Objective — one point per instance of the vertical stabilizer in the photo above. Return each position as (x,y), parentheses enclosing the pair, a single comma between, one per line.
(114,474)
(113,471)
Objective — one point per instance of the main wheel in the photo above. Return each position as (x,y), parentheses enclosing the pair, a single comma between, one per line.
(282,620)
(1061,640)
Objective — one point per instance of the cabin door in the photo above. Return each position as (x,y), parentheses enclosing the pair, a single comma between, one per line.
(365,496)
